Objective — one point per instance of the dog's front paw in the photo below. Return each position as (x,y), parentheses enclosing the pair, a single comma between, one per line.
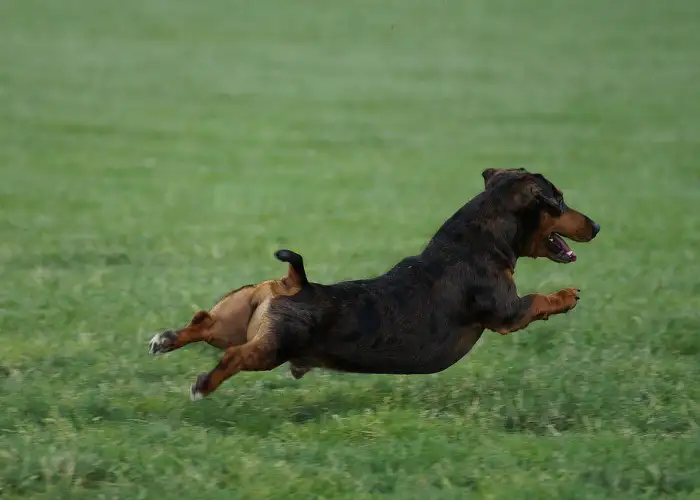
(162,343)
(569,297)
(198,389)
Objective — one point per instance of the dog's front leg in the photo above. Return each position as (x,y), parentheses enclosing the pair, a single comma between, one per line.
(535,307)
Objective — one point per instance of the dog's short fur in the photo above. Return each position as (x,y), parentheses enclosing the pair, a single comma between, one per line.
(421,316)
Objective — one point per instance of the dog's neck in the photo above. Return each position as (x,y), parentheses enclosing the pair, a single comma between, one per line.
(506,234)
(514,230)
(509,231)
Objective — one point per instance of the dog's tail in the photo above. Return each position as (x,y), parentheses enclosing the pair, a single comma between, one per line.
(296,266)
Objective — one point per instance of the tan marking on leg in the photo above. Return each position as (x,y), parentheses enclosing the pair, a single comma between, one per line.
(544,306)
(258,354)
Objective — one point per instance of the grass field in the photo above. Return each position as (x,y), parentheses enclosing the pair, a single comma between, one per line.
(154,154)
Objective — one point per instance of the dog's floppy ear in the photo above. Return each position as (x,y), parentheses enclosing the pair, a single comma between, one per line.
(538,189)
(553,204)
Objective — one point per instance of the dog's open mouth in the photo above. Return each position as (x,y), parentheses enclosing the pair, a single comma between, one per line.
(559,251)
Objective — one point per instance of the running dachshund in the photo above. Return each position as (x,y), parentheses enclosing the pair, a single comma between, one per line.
(421,316)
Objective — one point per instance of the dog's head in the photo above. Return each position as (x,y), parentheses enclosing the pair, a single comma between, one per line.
(545,217)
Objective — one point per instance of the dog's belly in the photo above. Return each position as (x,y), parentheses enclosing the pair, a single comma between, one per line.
(409,354)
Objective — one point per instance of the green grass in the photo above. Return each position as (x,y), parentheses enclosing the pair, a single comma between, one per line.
(154,153)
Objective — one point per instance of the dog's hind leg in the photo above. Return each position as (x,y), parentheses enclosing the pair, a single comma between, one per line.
(258,354)
(198,330)
(525,310)
(227,323)
(222,327)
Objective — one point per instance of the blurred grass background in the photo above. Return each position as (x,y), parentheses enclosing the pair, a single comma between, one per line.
(153,155)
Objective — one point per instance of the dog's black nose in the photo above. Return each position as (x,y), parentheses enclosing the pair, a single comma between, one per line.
(596,229)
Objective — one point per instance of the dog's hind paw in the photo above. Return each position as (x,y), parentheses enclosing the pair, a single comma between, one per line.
(298,371)
(161,343)
(195,395)
(196,392)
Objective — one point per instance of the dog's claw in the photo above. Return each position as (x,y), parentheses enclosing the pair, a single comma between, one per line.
(570,297)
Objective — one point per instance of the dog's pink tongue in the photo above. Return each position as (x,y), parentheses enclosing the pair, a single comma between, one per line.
(566,249)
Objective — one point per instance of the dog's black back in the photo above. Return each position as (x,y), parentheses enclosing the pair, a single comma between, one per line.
(421,316)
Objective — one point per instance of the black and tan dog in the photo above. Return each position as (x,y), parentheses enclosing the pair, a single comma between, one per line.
(422,316)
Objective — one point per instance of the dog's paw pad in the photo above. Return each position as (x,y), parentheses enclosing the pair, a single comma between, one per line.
(161,343)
